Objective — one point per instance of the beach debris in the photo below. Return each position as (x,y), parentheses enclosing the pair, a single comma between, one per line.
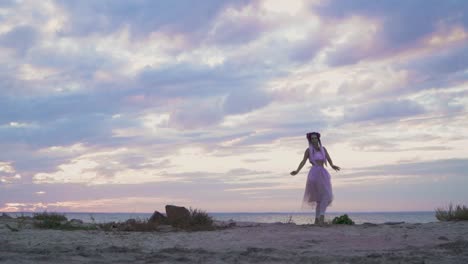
(178,216)
(393,223)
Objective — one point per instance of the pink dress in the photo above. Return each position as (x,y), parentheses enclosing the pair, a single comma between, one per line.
(318,186)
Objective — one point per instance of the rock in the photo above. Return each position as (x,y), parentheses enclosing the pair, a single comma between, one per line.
(393,223)
(158,218)
(178,216)
(443,238)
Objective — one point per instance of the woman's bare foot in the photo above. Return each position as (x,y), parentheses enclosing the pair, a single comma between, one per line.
(321,220)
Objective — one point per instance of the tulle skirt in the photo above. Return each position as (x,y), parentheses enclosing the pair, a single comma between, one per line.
(318,187)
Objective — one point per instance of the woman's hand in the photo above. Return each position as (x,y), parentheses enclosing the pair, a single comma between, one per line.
(293,173)
(336,167)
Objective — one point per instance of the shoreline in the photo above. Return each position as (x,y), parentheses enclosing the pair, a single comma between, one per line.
(296,217)
(437,242)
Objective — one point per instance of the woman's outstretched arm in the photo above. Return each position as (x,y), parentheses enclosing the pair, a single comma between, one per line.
(330,160)
(306,157)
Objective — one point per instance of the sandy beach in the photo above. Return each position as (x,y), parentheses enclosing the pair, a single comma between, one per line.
(441,242)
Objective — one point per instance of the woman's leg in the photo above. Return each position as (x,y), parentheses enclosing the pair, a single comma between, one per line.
(317,212)
(322,210)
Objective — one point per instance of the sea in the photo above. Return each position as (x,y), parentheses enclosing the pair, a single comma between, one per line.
(299,218)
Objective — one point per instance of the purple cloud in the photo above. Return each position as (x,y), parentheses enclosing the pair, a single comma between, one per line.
(142,16)
(20,38)
(403,24)
(382,111)
(242,101)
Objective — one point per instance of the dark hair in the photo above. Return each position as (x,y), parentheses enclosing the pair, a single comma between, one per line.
(309,135)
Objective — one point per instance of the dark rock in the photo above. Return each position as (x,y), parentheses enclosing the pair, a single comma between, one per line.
(393,223)
(158,218)
(443,238)
(131,221)
(178,216)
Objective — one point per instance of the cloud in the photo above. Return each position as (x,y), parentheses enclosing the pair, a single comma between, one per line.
(7,3)
(244,101)
(196,114)
(238,26)
(442,168)
(403,21)
(401,25)
(437,65)
(383,111)
(20,38)
(308,48)
(86,17)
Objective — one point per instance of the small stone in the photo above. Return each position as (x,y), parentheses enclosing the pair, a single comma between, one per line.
(393,223)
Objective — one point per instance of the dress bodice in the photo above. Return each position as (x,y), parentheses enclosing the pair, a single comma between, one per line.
(315,155)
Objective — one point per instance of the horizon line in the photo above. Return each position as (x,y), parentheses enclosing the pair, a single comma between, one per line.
(218,212)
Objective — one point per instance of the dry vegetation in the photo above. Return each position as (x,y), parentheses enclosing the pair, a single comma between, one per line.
(198,221)
(457,213)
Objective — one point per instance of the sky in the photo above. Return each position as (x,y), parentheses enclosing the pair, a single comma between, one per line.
(129,105)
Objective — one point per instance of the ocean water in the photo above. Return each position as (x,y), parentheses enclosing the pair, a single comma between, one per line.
(298,218)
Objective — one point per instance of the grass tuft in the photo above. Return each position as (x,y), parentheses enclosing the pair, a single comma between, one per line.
(50,217)
(200,220)
(457,213)
(49,220)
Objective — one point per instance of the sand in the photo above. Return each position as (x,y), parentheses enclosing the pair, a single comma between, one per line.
(440,242)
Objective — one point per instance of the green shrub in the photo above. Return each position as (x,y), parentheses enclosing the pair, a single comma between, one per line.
(342,220)
(457,213)
(47,220)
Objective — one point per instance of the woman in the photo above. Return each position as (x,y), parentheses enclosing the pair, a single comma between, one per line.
(318,190)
